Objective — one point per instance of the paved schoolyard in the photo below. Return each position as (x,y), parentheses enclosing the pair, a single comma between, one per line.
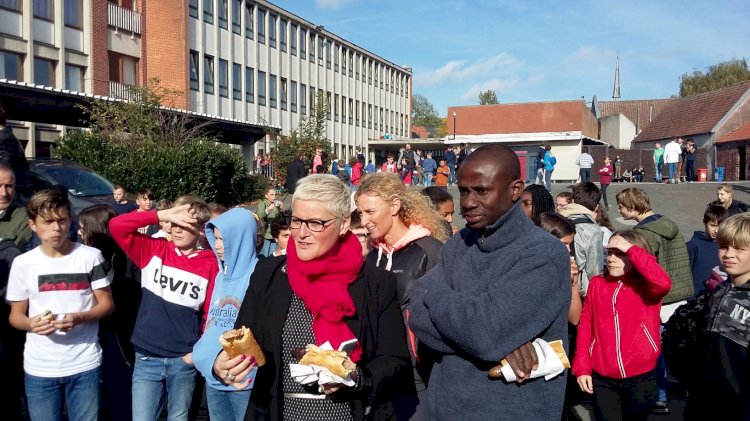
(684,203)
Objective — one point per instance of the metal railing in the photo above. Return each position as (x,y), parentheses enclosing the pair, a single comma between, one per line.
(123,19)
(122,91)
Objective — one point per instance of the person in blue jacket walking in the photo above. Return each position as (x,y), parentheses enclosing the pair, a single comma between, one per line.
(429,166)
(549,166)
(232,238)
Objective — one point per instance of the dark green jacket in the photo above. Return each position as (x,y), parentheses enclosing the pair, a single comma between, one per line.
(666,243)
(267,217)
(14,225)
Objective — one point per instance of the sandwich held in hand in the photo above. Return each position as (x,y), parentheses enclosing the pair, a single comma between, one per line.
(337,362)
(47,316)
(242,342)
(552,361)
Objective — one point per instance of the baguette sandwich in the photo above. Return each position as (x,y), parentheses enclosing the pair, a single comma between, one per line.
(337,362)
(557,346)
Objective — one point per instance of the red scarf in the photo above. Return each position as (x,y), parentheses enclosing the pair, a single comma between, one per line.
(323,285)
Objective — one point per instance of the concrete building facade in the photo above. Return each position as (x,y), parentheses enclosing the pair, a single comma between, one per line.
(249,61)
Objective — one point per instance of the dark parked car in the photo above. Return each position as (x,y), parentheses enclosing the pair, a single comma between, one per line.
(85,187)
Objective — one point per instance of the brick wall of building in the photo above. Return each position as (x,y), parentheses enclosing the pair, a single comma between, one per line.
(99,71)
(728,156)
(164,43)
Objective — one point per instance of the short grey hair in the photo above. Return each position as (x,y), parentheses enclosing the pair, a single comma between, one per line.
(328,189)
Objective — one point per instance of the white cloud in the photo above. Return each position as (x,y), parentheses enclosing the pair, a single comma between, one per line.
(463,70)
(497,85)
(331,4)
(593,55)
(438,75)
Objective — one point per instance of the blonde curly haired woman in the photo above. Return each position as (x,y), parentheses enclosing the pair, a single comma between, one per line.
(407,234)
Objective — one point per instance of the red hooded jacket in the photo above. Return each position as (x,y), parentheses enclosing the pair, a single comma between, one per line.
(618,335)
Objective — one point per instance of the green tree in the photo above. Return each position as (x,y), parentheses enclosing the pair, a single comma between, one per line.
(423,113)
(139,144)
(488,97)
(309,136)
(717,76)
(442,129)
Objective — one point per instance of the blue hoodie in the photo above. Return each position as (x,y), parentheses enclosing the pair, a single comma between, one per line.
(238,230)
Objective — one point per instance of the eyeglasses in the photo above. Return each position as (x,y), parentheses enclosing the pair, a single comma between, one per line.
(314,225)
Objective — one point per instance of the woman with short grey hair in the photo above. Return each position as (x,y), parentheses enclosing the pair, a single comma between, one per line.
(322,291)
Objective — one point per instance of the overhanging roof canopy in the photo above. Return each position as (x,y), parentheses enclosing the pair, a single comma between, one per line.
(519,137)
(42,104)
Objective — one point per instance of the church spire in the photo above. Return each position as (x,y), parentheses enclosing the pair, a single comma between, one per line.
(616,89)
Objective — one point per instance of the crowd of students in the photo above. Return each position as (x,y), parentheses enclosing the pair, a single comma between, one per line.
(125,324)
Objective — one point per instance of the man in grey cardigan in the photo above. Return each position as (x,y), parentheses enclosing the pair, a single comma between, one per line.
(498,285)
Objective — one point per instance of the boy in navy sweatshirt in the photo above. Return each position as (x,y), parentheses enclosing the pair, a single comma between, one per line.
(703,251)
(176,278)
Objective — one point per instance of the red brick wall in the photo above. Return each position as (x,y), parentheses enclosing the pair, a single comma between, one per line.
(164,46)
(99,71)
(727,156)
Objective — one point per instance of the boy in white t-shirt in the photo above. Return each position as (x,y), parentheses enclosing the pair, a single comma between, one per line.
(62,355)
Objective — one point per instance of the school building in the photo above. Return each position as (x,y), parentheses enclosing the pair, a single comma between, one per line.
(245,65)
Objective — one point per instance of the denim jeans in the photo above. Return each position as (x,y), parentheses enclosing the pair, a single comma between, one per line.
(539,177)
(81,395)
(227,406)
(269,246)
(548,180)
(452,177)
(673,175)
(657,171)
(427,180)
(153,379)
(690,170)
(585,174)
(661,373)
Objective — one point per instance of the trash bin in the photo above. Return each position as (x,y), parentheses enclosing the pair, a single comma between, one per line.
(719,174)
(702,174)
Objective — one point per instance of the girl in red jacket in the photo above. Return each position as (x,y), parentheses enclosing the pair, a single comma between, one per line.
(618,336)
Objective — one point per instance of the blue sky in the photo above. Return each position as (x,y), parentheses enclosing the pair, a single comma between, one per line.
(530,50)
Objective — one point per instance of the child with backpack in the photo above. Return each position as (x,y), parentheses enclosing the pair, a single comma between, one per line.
(618,335)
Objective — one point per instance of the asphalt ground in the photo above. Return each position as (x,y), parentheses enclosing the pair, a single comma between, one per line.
(684,203)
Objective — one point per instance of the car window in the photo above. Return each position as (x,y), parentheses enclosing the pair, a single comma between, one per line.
(80,182)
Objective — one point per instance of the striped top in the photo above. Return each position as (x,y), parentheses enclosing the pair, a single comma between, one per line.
(585,160)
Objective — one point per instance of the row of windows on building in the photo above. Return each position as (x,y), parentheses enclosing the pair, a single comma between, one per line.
(11,68)
(339,58)
(289,95)
(45,10)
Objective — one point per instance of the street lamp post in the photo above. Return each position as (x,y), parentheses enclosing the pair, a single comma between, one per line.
(454,125)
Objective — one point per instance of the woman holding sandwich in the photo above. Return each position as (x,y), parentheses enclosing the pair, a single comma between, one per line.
(321,291)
